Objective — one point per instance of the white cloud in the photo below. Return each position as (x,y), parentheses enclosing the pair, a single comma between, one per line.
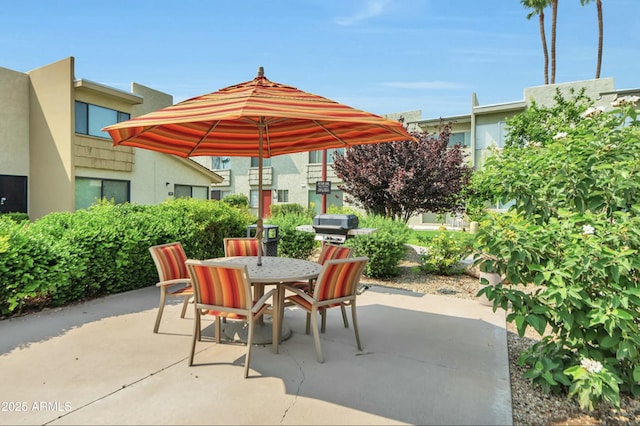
(424,85)
(370,9)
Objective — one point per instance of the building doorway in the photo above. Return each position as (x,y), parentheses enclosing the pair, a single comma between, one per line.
(13,194)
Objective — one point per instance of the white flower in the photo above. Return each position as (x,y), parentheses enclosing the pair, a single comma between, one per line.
(592,112)
(587,229)
(591,366)
(560,135)
(625,100)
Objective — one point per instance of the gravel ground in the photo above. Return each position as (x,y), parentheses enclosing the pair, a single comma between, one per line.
(531,406)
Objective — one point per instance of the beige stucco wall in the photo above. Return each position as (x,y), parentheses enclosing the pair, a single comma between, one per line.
(51,130)
(543,95)
(14,123)
(95,152)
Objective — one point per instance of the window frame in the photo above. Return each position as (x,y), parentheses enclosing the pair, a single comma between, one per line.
(102,189)
(85,119)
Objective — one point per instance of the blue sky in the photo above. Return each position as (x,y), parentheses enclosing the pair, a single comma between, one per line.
(382,56)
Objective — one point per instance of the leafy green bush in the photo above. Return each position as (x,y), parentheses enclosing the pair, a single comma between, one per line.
(574,235)
(294,243)
(290,208)
(65,257)
(16,217)
(444,252)
(237,200)
(29,268)
(384,248)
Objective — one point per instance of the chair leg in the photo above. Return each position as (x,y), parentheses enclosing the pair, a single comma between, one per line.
(184,306)
(316,335)
(323,314)
(163,296)
(196,335)
(198,316)
(218,328)
(344,316)
(308,328)
(247,360)
(355,323)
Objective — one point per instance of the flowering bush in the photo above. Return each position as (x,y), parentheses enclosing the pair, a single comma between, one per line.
(572,238)
(444,253)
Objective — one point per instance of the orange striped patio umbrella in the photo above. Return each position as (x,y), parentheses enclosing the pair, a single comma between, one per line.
(257,118)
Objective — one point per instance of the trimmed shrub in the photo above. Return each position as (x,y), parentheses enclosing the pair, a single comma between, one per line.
(29,268)
(237,200)
(384,248)
(16,217)
(291,208)
(444,252)
(65,257)
(294,243)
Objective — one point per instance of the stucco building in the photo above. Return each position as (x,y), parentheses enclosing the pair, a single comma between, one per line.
(485,125)
(54,156)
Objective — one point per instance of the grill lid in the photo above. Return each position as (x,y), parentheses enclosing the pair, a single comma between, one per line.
(334,223)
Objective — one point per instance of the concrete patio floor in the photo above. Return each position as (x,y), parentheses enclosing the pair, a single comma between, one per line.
(427,360)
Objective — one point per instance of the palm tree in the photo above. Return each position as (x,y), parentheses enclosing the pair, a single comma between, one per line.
(537,7)
(554,15)
(600,33)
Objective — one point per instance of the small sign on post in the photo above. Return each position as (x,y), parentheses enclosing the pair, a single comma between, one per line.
(323,187)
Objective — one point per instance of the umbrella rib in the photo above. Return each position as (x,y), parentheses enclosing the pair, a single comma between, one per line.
(338,138)
(211,129)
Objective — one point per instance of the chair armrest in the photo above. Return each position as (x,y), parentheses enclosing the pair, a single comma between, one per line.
(300,293)
(186,281)
(262,301)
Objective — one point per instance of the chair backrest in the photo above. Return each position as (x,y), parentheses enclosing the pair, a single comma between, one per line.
(241,246)
(220,284)
(170,261)
(334,251)
(339,278)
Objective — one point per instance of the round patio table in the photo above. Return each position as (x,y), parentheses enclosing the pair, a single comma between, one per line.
(273,271)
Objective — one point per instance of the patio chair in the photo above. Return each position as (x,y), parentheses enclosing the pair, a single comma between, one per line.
(329,252)
(241,247)
(336,286)
(224,290)
(174,279)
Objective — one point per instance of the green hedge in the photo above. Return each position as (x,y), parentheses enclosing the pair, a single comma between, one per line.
(385,248)
(294,243)
(66,257)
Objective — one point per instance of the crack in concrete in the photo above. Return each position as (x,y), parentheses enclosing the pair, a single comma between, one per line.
(297,393)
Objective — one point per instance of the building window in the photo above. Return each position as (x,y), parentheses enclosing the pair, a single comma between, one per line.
(90,119)
(188,191)
(90,190)
(334,199)
(487,136)
(266,162)
(283,195)
(221,163)
(460,138)
(315,157)
(217,194)
(253,199)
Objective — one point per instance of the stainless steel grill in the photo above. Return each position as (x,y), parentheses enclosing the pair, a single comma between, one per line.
(334,227)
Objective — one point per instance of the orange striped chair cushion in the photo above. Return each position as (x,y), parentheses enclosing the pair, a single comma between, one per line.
(339,280)
(241,247)
(172,262)
(331,251)
(220,286)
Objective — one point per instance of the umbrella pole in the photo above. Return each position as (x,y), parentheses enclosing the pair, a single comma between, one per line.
(260,226)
